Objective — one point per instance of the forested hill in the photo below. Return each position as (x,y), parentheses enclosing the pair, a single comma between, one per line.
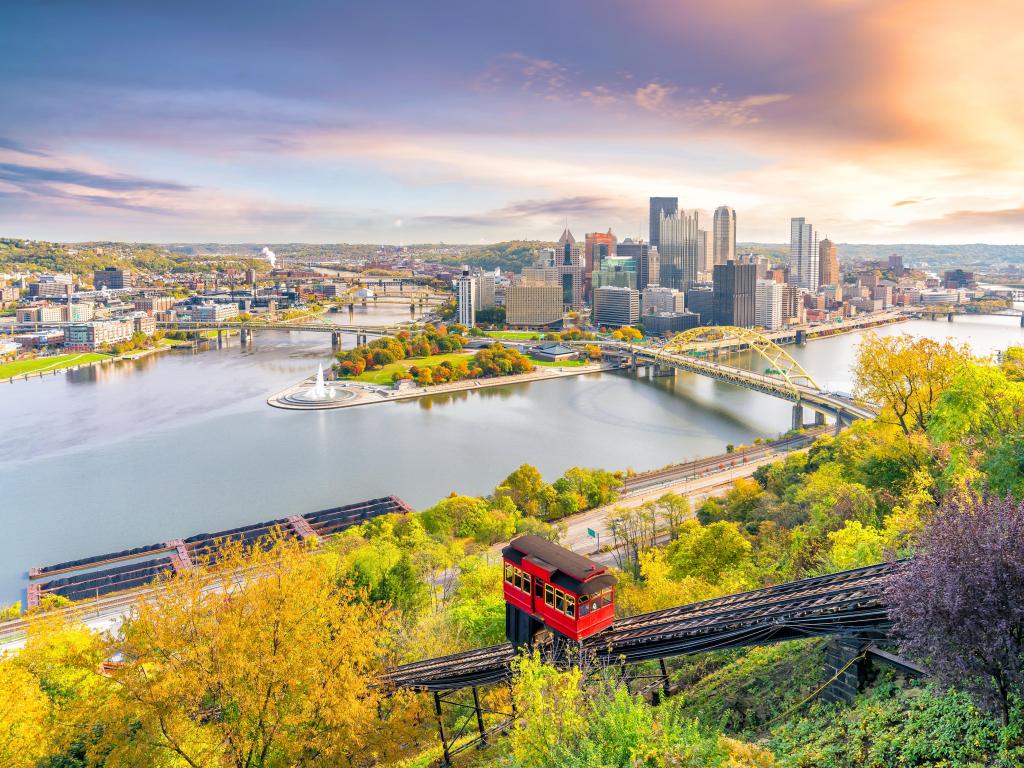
(512,255)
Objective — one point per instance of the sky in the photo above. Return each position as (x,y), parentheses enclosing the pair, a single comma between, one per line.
(466,122)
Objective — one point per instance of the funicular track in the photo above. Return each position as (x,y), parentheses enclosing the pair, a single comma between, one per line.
(848,604)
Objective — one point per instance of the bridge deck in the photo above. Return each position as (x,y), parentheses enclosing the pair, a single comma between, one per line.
(847,603)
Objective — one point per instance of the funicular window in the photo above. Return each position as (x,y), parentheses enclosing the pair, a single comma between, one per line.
(584,605)
(606,597)
(559,601)
(527,579)
(570,606)
(549,595)
(508,572)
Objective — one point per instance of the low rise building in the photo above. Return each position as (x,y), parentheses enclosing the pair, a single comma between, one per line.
(654,298)
(112,278)
(212,313)
(98,333)
(144,323)
(533,305)
(52,286)
(552,351)
(153,304)
(616,307)
(669,323)
(40,313)
(40,339)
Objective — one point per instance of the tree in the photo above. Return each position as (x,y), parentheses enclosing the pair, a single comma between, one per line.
(674,510)
(24,710)
(957,605)
(905,375)
(705,552)
(854,546)
(259,659)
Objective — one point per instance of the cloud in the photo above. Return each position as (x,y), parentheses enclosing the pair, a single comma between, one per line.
(32,177)
(652,96)
(523,211)
(14,146)
(974,221)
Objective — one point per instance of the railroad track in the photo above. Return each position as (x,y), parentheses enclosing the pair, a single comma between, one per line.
(847,603)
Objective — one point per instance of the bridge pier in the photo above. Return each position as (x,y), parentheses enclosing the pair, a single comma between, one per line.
(244,337)
(819,418)
(336,341)
(798,416)
(849,677)
(949,317)
(220,339)
(1022,319)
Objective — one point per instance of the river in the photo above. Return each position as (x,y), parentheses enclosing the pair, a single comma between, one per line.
(117,456)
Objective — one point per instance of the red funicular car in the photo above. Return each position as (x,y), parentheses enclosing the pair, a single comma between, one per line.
(547,586)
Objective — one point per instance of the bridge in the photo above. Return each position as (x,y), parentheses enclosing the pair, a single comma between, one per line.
(697,351)
(247,327)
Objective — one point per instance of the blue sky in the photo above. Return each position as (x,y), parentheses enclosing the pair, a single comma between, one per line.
(473,122)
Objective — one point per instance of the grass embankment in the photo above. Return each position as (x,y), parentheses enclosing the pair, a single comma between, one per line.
(53,363)
(383,376)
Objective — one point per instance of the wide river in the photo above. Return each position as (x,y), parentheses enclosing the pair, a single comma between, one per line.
(179,443)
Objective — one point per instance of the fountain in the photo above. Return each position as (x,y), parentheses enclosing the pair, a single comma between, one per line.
(319,395)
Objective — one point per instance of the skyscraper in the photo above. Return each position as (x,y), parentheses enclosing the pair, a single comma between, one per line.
(569,261)
(734,294)
(828,263)
(465,290)
(645,256)
(678,248)
(803,255)
(660,205)
(768,304)
(724,234)
(705,251)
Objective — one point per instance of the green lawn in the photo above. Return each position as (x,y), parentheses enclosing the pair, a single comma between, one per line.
(515,335)
(383,376)
(53,363)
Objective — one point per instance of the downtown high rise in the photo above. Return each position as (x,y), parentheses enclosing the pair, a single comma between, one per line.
(724,235)
(803,255)
(677,235)
(659,206)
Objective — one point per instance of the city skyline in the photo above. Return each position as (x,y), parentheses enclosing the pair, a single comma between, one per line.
(321,123)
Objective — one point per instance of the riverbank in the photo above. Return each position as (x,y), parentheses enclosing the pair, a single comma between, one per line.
(367,394)
(74,362)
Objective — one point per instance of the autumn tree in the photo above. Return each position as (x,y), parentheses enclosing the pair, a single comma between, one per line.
(259,659)
(24,712)
(957,605)
(905,375)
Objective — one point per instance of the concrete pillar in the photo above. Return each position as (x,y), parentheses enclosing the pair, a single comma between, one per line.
(838,654)
(949,317)
(798,416)
(336,340)
(220,339)
(839,425)
(819,418)
(244,337)
(1022,319)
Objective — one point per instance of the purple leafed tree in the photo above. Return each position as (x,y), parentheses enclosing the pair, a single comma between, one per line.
(958,605)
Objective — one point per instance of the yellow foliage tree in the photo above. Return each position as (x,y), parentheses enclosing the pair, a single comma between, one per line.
(259,659)
(24,711)
(905,375)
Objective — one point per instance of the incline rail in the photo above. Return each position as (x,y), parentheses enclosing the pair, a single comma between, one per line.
(848,603)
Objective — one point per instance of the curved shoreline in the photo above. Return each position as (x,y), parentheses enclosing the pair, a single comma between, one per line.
(372,394)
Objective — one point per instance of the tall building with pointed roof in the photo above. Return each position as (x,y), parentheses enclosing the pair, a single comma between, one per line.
(569,262)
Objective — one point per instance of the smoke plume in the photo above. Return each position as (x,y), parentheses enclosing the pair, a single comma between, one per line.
(271,256)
